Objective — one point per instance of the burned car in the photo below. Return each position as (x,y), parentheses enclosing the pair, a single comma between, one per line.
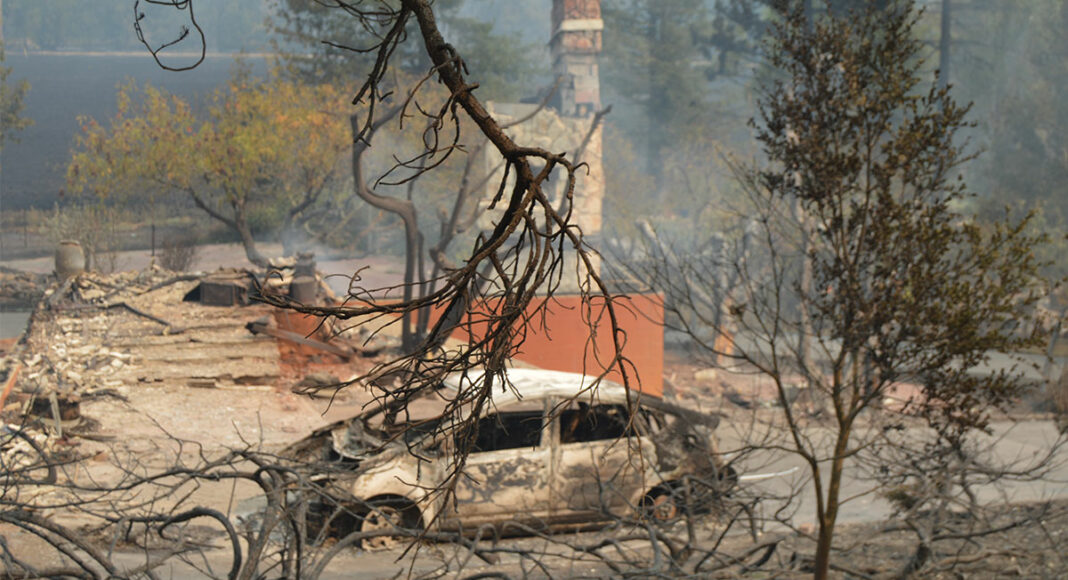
(549,451)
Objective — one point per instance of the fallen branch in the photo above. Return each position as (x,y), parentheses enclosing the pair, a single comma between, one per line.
(260,327)
(171,328)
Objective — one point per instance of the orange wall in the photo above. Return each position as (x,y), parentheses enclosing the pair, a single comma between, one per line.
(562,341)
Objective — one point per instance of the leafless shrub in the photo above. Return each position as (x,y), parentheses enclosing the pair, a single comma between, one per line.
(178,254)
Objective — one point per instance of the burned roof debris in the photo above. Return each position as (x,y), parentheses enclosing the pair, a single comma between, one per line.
(95,334)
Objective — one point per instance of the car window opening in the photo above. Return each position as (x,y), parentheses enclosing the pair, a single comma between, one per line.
(512,430)
(596,423)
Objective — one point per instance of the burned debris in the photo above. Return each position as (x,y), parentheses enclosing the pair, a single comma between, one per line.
(93,333)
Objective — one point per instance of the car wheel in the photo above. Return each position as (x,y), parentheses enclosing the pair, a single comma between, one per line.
(324,521)
(388,515)
(662,505)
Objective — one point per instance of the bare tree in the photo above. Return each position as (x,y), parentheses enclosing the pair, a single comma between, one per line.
(521,257)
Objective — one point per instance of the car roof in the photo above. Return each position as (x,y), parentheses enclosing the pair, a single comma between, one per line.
(537,384)
(532,385)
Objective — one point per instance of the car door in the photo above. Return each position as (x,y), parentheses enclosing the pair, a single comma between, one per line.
(506,477)
(600,463)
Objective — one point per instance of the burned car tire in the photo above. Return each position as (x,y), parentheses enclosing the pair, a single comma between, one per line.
(325,521)
(663,508)
(668,502)
(664,504)
(388,514)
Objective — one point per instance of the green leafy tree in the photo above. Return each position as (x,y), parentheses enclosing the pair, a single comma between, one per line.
(652,60)
(905,288)
(318,44)
(1029,128)
(267,148)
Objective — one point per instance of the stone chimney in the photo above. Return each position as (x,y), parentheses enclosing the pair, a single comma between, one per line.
(575,44)
(567,125)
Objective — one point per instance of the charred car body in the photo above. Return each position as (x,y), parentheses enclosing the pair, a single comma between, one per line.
(549,451)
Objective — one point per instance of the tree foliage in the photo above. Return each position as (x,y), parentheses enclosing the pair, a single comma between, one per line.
(1029,147)
(267,151)
(318,44)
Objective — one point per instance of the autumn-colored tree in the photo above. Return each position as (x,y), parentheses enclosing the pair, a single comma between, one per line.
(264,146)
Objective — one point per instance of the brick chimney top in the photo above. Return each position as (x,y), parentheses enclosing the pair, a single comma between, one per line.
(575,44)
(575,10)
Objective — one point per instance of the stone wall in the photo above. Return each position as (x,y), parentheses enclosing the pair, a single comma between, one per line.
(549,130)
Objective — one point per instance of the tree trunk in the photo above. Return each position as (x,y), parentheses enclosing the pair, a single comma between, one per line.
(825,537)
(404,209)
(238,223)
(1051,349)
(251,252)
(804,329)
(944,44)
(412,246)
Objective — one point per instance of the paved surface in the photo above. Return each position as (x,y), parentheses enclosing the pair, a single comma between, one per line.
(1011,444)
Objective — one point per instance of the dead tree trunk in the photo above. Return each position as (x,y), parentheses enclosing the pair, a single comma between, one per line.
(405,210)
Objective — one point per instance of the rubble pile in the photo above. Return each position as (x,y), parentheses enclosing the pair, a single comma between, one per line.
(162,340)
(104,333)
(24,455)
